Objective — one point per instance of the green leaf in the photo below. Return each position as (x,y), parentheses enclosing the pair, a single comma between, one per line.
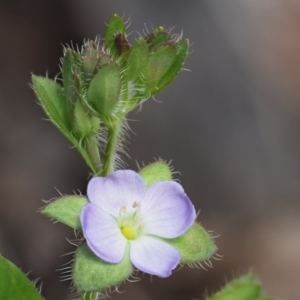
(137,59)
(51,96)
(91,273)
(246,287)
(115,26)
(267,298)
(195,245)
(66,210)
(182,49)
(104,89)
(157,171)
(14,284)
(158,64)
(69,67)
(52,99)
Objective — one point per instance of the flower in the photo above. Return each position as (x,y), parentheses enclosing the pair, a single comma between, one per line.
(123,211)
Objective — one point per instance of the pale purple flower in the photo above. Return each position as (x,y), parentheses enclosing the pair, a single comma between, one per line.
(122,210)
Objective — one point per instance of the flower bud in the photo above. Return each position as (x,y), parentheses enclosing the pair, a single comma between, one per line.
(158,38)
(92,60)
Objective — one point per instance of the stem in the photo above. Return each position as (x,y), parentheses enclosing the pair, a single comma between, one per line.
(90,296)
(92,150)
(111,147)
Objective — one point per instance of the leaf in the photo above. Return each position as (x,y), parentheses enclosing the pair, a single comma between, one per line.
(137,59)
(195,245)
(158,64)
(246,287)
(157,171)
(14,284)
(104,89)
(91,273)
(51,97)
(66,210)
(182,49)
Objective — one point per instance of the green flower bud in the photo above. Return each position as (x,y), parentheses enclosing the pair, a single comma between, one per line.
(157,38)
(107,81)
(92,60)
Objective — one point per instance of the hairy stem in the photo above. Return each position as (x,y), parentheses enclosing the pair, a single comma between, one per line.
(114,129)
(92,149)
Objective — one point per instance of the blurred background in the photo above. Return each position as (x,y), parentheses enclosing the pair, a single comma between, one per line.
(231,128)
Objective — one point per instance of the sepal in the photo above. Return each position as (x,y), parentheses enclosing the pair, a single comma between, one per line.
(91,273)
(137,59)
(182,49)
(104,90)
(158,64)
(115,36)
(155,172)
(66,210)
(196,245)
(69,69)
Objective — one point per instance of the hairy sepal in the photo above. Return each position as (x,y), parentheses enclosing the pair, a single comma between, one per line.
(155,172)
(91,273)
(158,65)
(104,90)
(137,59)
(70,61)
(196,245)
(182,49)
(115,26)
(66,210)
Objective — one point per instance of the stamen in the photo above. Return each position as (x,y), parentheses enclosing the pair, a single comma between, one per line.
(123,210)
(136,204)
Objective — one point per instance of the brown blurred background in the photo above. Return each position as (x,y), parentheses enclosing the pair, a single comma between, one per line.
(231,127)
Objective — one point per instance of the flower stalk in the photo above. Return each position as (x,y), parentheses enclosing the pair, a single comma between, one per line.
(114,132)
(90,296)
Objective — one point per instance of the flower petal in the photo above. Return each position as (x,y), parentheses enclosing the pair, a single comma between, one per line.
(166,210)
(102,234)
(121,188)
(154,256)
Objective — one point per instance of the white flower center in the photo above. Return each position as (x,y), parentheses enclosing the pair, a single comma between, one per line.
(129,221)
